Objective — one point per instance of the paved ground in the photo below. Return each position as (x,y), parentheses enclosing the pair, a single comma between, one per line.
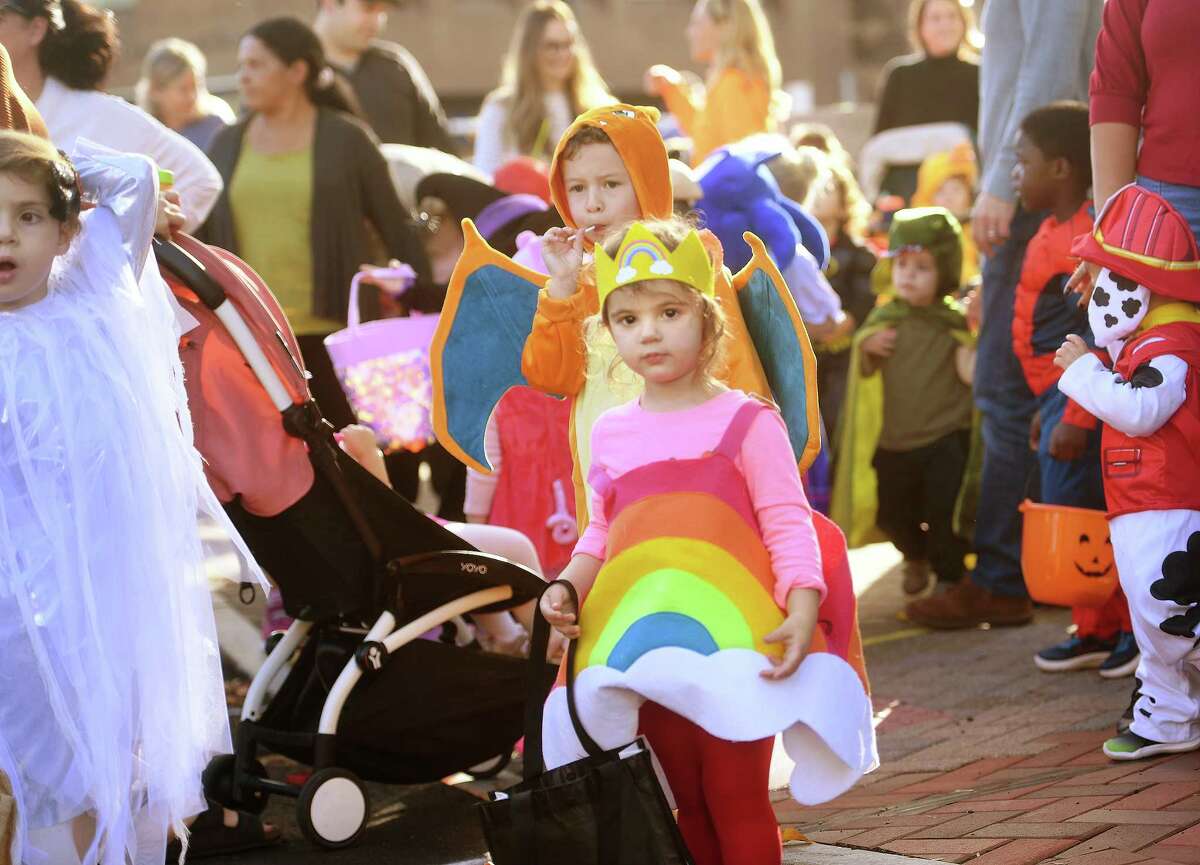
(984,760)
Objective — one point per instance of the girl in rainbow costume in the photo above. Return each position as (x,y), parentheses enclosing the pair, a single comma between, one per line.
(701,573)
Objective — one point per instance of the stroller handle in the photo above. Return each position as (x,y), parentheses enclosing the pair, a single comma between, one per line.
(190,271)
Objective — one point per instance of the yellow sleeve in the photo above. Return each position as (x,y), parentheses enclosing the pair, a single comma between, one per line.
(738,105)
(554,359)
(680,100)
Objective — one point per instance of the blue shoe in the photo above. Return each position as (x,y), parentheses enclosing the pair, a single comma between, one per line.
(1074,653)
(1124,658)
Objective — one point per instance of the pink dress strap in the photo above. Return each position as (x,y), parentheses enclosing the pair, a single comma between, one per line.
(731,442)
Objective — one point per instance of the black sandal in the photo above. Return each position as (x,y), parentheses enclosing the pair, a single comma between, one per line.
(211,837)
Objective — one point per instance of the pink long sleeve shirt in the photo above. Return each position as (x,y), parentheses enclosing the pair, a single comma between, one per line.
(627,437)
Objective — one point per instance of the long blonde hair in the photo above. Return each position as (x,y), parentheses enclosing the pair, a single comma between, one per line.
(521,84)
(166,60)
(968,46)
(855,208)
(747,43)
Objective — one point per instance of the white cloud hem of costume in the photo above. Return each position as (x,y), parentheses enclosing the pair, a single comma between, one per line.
(822,710)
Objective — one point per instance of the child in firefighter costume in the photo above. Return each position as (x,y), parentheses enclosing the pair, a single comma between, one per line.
(1147,393)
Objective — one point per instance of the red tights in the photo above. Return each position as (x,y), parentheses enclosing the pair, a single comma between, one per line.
(1103,622)
(720,788)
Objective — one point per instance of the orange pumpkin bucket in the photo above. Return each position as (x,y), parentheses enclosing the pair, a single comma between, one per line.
(1066,555)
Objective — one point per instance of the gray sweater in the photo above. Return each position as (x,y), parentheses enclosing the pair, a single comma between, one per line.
(1034,52)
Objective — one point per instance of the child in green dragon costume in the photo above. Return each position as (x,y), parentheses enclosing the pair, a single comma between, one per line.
(905,434)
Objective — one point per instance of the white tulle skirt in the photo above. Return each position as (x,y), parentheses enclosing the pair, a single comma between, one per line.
(111,697)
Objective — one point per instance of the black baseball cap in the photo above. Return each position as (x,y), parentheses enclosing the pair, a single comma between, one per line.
(51,10)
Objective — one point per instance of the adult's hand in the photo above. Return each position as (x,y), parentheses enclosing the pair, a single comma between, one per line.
(1083,282)
(660,76)
(393,284)
(991,220)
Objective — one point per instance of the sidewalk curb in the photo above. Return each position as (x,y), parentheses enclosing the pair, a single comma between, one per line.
(828,854)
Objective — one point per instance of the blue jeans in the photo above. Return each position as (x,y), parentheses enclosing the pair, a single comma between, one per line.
(1185,199)
(1075,483)
(1007,405)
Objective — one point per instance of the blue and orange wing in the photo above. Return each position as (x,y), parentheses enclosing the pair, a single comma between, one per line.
(475,356)
(783,348)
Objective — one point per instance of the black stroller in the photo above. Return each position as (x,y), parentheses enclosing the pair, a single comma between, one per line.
(351,689)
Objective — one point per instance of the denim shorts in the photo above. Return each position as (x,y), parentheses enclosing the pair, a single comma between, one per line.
(1185,199)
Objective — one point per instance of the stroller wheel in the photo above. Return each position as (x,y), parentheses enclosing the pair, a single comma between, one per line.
(272,641)
(217,781)
(333,808)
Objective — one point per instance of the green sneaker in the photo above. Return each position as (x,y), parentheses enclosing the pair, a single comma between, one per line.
(1131,746)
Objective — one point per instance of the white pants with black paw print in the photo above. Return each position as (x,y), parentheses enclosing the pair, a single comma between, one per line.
(1158,556)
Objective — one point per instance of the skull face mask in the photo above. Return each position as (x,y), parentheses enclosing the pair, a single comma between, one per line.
(1117,308)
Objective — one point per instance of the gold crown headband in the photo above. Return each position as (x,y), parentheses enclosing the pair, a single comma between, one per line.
(643,257)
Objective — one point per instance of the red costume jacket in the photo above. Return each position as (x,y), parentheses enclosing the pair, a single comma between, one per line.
(1042,314)
(1159,471)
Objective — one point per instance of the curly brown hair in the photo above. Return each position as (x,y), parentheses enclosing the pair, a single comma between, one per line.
(34,160)
(83,52)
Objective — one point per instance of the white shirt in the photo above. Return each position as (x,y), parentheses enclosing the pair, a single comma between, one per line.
(111,121)
(492,145)
(1136,408)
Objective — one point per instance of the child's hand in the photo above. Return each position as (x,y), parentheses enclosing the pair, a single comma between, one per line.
(881,343)
(562,250)
(559,611)
(795,633)
(1072,349)
(1035,432)
(360,444)
(170,216)
(557,648)
(821,332)
(1068,442)
(973,309)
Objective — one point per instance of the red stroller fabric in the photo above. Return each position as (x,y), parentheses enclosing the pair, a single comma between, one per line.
(238,430)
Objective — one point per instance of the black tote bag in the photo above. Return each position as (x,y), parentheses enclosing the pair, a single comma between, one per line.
(606,809)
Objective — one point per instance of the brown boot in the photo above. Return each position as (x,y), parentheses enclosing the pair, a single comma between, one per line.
(968,605)
(916,576)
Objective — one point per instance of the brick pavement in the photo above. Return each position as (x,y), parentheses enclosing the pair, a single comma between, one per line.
(1061,806)
(988,761)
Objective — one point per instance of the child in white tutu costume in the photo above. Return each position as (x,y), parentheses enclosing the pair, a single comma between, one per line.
(111,698)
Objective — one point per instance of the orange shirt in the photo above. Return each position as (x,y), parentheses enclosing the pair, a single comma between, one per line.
(734,106)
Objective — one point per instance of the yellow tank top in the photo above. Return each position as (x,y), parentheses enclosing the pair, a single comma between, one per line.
(271,199)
